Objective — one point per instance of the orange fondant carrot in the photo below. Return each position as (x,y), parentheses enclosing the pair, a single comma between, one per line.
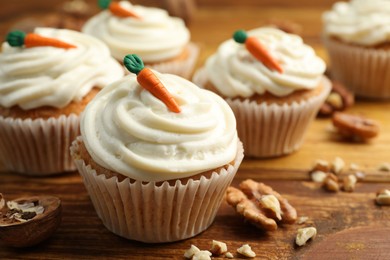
(18,38)
(117,10)
(148,80)
(258,50)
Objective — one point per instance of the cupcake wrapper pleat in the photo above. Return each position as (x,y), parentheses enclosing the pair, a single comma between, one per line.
(272,130)
(181,68)
(156,213)
(365,71)
(38,147)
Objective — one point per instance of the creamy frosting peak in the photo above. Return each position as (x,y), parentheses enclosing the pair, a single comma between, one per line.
(235,72)
(363,22)
(155,37)
(128,130)
(49,76)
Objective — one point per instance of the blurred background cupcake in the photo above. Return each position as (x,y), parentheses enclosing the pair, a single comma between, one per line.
(357,37)
(274,84)
(162,41)
(157,154)
(46,79)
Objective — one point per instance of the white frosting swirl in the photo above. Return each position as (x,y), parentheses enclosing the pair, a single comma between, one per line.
(235,72)
(363,22)
(50,76)
(155,37)
(128,130)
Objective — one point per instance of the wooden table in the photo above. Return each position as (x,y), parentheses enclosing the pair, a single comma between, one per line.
(349,225)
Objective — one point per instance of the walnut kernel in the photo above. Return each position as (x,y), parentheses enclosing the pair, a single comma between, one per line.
(247,202)
(355,127)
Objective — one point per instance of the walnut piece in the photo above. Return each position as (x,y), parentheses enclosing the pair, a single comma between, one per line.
(338,165)
(321,165)
(349,182)
(229,255)
(191,252)
(383,197)
(331,183)
(339,99)
(304,234)
(218,248)
(318,176)
(202,255)
(355,127)
(253,202)
(246,250)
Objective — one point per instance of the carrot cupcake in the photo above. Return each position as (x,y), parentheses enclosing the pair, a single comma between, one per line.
(157,154)
(357,37)
(273,82)
(163,42)
(46,79)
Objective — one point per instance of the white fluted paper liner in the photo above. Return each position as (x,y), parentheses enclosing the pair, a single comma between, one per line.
(365,71)
(181,68)
(151,213)
(271,130)
(38,147)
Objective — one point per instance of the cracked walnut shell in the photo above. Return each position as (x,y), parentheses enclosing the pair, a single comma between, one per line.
(260,205)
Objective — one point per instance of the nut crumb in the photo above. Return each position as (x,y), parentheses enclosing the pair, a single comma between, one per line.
(384,167)
(383,197)
(302,220)
(218,248)
(202,255)
(349,183)
(229,255)
(304,234)
(318,176)
(191,252)
(246,250)
(331,183)
(338,165)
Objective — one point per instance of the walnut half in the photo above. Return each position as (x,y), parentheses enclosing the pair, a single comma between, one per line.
(261,205)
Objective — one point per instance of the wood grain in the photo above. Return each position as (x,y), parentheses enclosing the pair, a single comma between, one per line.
(82,235)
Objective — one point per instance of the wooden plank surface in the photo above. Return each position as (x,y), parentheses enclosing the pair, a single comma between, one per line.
(342,216)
